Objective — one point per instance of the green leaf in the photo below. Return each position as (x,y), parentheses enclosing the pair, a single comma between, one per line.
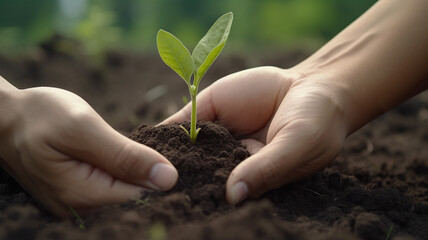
(175,54)
(210,46)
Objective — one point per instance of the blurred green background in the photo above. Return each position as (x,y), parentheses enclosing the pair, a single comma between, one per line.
(133,24)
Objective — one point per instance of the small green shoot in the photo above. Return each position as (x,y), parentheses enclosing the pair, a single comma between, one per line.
(81,222)
(177,56)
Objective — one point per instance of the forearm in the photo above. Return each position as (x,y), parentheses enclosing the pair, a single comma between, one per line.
(8,94)
(378,61)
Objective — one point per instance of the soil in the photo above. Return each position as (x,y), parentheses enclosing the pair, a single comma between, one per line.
(377,188)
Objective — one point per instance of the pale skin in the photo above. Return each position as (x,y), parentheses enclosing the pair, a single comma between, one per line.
(64,154)
(293,121)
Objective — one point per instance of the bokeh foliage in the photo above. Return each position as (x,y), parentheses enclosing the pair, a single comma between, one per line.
(133,24)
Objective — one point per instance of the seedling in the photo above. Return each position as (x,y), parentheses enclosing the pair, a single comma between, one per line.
(186,65)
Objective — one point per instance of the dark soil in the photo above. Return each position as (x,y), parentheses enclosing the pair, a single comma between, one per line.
(376,189)
(203,167)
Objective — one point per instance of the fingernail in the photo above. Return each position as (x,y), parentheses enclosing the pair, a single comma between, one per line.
(239,192)
(163,176)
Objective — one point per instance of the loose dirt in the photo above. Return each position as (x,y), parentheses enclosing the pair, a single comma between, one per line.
(377,188)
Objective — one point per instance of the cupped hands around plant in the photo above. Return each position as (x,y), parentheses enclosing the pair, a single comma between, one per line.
(178,58)
(64,154)
(294,121)
(291,123)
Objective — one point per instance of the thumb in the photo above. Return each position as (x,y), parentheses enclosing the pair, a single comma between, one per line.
(278,163)
(180,116)
(99,144)
(136,163)
(206,108)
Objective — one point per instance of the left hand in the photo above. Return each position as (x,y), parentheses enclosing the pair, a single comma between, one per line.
(65,155)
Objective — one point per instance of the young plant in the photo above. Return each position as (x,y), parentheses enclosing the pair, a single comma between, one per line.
(178,57)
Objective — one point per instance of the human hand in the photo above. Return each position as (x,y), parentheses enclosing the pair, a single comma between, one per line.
(292,124)
(64,154)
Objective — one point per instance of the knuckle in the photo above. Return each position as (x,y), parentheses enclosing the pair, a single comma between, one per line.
(81,116)
(308,132)
(128,161)
(269,175)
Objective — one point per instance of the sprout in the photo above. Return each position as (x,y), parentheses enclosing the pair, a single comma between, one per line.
(186,65)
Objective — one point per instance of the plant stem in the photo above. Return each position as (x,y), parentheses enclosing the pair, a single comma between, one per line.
(193,134)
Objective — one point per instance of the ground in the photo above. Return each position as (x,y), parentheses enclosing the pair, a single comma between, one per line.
(377,188)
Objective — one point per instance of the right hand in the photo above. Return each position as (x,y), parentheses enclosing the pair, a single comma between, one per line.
(292,124)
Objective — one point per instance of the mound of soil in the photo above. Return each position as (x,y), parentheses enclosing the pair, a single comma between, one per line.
(374,190)
(203,167)
(377,188)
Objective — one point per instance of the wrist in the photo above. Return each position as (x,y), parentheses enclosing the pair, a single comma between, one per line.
(328,85)
(335,83)
(375,63)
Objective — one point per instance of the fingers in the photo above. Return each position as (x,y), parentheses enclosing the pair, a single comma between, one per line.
(256,173)
(253,146)
(85,192)
(98,144)
(101,188)
(228,100)
(282,161)
(180,116)
(206,110)
(139,164)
